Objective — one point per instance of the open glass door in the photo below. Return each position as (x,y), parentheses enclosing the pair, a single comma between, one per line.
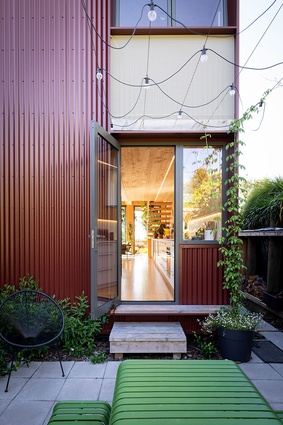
(105,219)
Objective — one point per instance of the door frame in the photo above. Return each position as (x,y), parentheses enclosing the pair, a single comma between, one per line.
(97,131)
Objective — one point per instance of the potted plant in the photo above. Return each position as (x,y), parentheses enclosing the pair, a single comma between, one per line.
(234,325)
(235,328)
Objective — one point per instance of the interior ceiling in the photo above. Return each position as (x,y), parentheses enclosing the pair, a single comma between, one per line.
(147,174)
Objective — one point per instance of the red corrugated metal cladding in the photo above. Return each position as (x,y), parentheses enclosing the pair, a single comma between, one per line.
(49,95)
(200,278)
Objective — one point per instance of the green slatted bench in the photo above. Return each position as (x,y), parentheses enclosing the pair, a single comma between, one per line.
(81,412)
(179,392)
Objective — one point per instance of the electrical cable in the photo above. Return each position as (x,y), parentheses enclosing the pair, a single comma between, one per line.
(102,39)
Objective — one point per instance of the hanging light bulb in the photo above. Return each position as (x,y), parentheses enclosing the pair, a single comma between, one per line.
(146,82)
(180,115)
(99,75)
(204,56)
(151,14)
(232,91)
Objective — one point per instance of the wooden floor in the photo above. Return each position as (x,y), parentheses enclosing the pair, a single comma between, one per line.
(141,280)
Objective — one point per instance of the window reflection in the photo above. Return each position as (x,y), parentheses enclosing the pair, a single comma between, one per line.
(202,193)
(200,13)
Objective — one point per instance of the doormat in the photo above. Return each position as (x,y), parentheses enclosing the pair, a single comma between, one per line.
(267,351)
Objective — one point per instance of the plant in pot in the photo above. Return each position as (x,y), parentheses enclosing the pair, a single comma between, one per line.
(234,325)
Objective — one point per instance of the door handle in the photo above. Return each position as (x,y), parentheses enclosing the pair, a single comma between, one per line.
(94,238)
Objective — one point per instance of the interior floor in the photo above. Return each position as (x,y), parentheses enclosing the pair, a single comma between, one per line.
(142,281)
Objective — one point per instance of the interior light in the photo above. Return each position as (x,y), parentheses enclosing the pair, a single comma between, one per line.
(151,14)
(204,56)
(232,91)
(180,115)
(99,75)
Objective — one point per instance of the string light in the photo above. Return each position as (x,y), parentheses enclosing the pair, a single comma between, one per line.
(151,14)
(99,75)
(180,115)
(232,90)
(146,82)
(204,56)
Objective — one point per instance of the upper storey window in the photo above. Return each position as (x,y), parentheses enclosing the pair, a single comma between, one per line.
(192,13)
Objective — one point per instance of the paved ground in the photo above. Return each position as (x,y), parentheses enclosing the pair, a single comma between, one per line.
(34,390)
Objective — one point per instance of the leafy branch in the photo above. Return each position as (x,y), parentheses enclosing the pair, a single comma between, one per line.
(231,244)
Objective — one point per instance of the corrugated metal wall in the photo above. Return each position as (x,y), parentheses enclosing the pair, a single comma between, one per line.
(200,278)
(49,95)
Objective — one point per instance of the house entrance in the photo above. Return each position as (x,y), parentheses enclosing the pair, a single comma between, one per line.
(147,199)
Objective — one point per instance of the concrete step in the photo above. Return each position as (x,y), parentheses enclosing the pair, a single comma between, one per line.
(147,337)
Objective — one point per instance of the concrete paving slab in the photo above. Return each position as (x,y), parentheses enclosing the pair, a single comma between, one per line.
(272,390)
(26,371)
(15,386)
(111,369)
(260,371)
(23,412)
(53,370)
(41,389)
(279,369)
(255,359)
(80,389)
(3,405)
(87,370)
(275,337)
(107,390)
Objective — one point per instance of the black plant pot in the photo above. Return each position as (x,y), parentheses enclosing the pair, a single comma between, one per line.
(235,344)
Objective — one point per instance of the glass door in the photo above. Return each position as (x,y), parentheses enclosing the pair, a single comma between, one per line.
(105,218)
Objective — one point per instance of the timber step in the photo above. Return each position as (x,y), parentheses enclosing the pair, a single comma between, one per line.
(167,310)
(147,337)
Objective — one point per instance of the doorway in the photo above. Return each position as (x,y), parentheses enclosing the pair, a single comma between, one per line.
(147,199)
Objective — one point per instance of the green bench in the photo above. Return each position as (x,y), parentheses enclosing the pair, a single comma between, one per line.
(181,392)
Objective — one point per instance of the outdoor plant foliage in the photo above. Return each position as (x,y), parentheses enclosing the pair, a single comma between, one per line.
(234,316)
(264,205)
(78,338)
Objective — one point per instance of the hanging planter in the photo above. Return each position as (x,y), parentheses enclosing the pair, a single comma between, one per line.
(235,344)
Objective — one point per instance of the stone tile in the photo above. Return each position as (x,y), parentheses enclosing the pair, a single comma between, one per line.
(80,389)
(279,369)
(266,327)
(111,369)
(87,370)
(41,389)
(260,371)
(255,359)
(107,390)
(271,389)
(275,337)
(277,406)
(3,405)
(23,412)
(15,386)
(25,371)
(53,369)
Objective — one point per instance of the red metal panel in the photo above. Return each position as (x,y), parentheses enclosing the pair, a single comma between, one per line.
(49,94)
(200,278)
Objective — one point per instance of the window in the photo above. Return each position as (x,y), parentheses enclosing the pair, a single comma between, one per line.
(200,13)
(202,193)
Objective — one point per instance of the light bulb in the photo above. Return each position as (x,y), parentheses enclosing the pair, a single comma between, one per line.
(151,14)
(180,115)
(232,90)
(146,82)
(204,56)
(99,75)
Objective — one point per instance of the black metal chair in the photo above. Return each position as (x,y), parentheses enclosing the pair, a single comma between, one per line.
(30,319)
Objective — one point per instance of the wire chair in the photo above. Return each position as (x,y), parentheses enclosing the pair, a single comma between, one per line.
(30,319)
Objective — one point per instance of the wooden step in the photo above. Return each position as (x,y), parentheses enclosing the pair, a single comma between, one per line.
(147,337)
